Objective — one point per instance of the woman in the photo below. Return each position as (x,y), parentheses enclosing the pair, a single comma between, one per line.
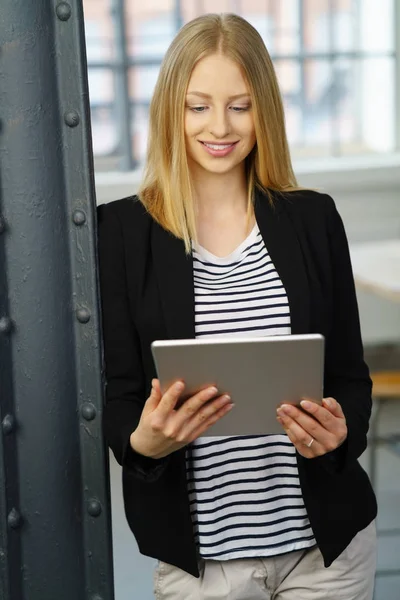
(222,241)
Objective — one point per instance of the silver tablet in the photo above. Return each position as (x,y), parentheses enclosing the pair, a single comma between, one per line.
(258,374)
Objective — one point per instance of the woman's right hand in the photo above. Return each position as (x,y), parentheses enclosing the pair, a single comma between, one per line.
(163,429)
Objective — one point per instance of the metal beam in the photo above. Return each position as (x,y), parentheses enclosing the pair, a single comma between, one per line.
(55,522)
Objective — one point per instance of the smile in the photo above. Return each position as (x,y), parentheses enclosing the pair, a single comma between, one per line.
(218,149)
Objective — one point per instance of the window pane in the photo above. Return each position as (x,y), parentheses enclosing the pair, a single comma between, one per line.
(318,98)
(346,26)
(141,85)
(289,77)
(376,103)
(278,25)
(149,33)
(286,24)
(103,117)
(347,107)
(98,30)
(316,25)
(377,25)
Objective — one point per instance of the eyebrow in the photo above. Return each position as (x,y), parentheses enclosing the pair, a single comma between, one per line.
(208,95)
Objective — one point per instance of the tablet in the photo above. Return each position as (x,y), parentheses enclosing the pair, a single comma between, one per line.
(258,373)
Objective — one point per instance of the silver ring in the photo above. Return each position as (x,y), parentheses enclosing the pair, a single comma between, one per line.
(310,443)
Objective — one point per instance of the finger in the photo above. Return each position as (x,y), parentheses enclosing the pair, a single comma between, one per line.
(320,413)
(297,434)
(182,431)
(290,431)
(324,441)
(307,422)
(208,411)
(334,407)
(198,431)
(170,398)
(192,406)
(154,398)
(301,447)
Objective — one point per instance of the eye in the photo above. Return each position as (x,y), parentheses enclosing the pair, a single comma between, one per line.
(240,108)
(198,109)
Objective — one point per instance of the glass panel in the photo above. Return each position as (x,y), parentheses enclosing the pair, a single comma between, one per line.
(377,25)
(348,108)
(288,73)
(140,128)
(100,43)
(376,103)
(102,104)
(346,26)
(142,80)
(316,25)
(214,6)
(141,85)
(150,34)
(319,97)
(286,14)
(345,116)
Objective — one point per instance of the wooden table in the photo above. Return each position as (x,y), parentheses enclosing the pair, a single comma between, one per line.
(376,267)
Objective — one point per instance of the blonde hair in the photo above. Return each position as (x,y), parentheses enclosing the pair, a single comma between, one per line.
(166,189)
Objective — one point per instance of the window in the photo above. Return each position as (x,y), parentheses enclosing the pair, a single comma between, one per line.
(335,61)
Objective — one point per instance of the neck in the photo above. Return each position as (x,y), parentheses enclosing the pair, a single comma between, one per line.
(219,194)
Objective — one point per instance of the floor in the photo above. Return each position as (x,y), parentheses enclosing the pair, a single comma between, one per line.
(133,572)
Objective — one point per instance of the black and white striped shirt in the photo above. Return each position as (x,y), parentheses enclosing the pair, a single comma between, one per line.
(244,491)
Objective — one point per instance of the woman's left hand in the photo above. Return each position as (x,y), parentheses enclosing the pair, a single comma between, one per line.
(315,430)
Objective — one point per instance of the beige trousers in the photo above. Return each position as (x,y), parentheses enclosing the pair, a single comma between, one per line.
(299,575)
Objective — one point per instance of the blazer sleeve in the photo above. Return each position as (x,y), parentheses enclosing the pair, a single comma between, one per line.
(346,373)
(125,381)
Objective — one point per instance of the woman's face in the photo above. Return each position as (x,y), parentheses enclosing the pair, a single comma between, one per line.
(219,125)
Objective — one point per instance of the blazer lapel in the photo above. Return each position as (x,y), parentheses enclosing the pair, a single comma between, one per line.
(174,269)
(174,272)
(282,242)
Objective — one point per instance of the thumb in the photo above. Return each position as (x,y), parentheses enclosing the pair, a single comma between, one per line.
(155,396)
(333,406)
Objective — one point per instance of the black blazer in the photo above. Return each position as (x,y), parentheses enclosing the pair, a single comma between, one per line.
(147,293)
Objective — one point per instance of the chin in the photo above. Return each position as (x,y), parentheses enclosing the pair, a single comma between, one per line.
(218,168)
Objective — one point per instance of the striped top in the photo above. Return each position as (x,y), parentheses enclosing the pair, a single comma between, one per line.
(244,491)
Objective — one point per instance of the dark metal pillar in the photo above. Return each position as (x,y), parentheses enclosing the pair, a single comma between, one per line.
(55,539)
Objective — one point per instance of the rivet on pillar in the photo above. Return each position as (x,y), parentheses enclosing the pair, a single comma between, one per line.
(63,11)
(14,519)
(83,315)
(5,325)
(94,507)
(79,217)
(8,424)
(72,118)
(88,411)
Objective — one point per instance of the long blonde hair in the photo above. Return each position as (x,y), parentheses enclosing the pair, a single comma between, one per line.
(166,190)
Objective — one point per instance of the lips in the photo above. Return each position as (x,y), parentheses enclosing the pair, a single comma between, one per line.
(218,146)
(218,150)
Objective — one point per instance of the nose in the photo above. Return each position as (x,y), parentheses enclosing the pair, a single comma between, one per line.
(219,125)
